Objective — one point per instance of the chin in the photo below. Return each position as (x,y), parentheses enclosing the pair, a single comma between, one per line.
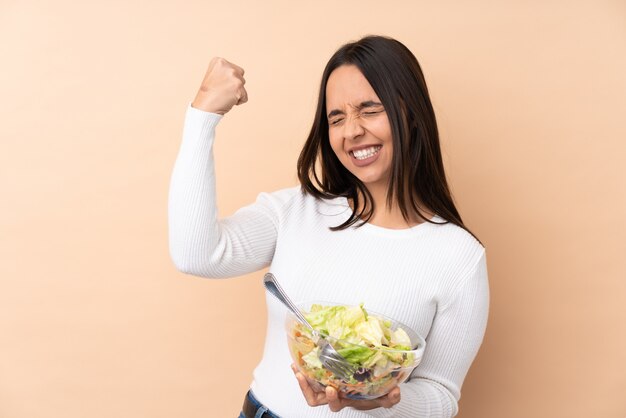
(370,181)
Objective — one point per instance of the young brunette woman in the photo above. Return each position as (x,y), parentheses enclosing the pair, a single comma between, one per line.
(371,221)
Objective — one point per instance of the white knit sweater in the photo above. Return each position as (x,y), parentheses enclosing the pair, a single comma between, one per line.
(432,278)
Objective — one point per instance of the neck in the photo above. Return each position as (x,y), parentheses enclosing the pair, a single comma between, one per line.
(390,217)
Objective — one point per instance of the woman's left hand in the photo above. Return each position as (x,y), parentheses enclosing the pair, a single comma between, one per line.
(336,402)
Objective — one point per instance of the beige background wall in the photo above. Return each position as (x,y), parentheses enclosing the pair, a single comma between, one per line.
(96,322)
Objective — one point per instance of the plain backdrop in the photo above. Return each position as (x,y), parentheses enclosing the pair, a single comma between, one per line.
(96,322)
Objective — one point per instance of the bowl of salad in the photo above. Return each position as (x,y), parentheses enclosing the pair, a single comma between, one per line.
(383,352)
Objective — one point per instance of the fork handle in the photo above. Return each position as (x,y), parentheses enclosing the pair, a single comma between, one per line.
(271,284)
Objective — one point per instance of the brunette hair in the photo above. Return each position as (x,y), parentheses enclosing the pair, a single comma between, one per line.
(417,172)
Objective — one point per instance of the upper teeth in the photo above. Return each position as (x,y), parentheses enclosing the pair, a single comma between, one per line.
(366,153)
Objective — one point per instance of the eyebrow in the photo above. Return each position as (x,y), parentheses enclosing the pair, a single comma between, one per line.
(367,103)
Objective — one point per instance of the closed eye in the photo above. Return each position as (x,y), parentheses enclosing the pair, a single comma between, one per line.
(336,121)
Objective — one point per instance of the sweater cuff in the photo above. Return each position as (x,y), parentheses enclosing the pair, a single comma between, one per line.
(206,120)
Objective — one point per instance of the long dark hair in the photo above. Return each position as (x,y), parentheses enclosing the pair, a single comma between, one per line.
(417,172)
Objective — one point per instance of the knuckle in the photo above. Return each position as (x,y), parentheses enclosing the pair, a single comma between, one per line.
(335,408)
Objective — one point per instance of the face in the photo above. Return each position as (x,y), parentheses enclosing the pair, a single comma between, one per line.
(358,127)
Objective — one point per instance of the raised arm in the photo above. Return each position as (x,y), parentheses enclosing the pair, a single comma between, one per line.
(200,243)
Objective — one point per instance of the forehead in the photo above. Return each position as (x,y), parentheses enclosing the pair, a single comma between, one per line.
(347,85)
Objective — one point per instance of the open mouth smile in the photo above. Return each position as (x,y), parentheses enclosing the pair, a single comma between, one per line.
(365,156)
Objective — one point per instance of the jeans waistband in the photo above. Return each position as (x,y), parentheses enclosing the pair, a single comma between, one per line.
(260,410)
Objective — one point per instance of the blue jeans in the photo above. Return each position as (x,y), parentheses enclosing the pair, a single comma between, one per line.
(259,407)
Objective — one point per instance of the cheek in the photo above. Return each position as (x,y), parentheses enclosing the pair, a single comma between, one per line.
(335,144)
(384,133)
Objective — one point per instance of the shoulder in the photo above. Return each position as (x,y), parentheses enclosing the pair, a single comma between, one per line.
(296,197)
(452,234)
(280,197)
(459,257)
(460,250)
(279,201)
(294,206)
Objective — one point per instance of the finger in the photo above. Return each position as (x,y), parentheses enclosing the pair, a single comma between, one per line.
(312,398)
(234,66)
(239,77)
(390,399)
(238,68)
(395,395)
(242,96)
(212,64)
(315,398)
(335,403)
(387,401)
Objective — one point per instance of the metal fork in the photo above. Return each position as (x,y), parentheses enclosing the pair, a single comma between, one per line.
(329,357)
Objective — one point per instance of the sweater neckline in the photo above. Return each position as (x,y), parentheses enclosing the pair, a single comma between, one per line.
(379,230)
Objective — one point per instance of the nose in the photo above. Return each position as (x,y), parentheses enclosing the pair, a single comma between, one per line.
(352,128)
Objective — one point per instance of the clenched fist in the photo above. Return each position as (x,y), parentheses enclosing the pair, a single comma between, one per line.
(222,87)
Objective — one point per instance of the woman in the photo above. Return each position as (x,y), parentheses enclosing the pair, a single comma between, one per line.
(375,224)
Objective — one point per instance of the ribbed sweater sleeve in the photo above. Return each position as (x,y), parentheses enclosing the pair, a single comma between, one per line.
(199,242)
